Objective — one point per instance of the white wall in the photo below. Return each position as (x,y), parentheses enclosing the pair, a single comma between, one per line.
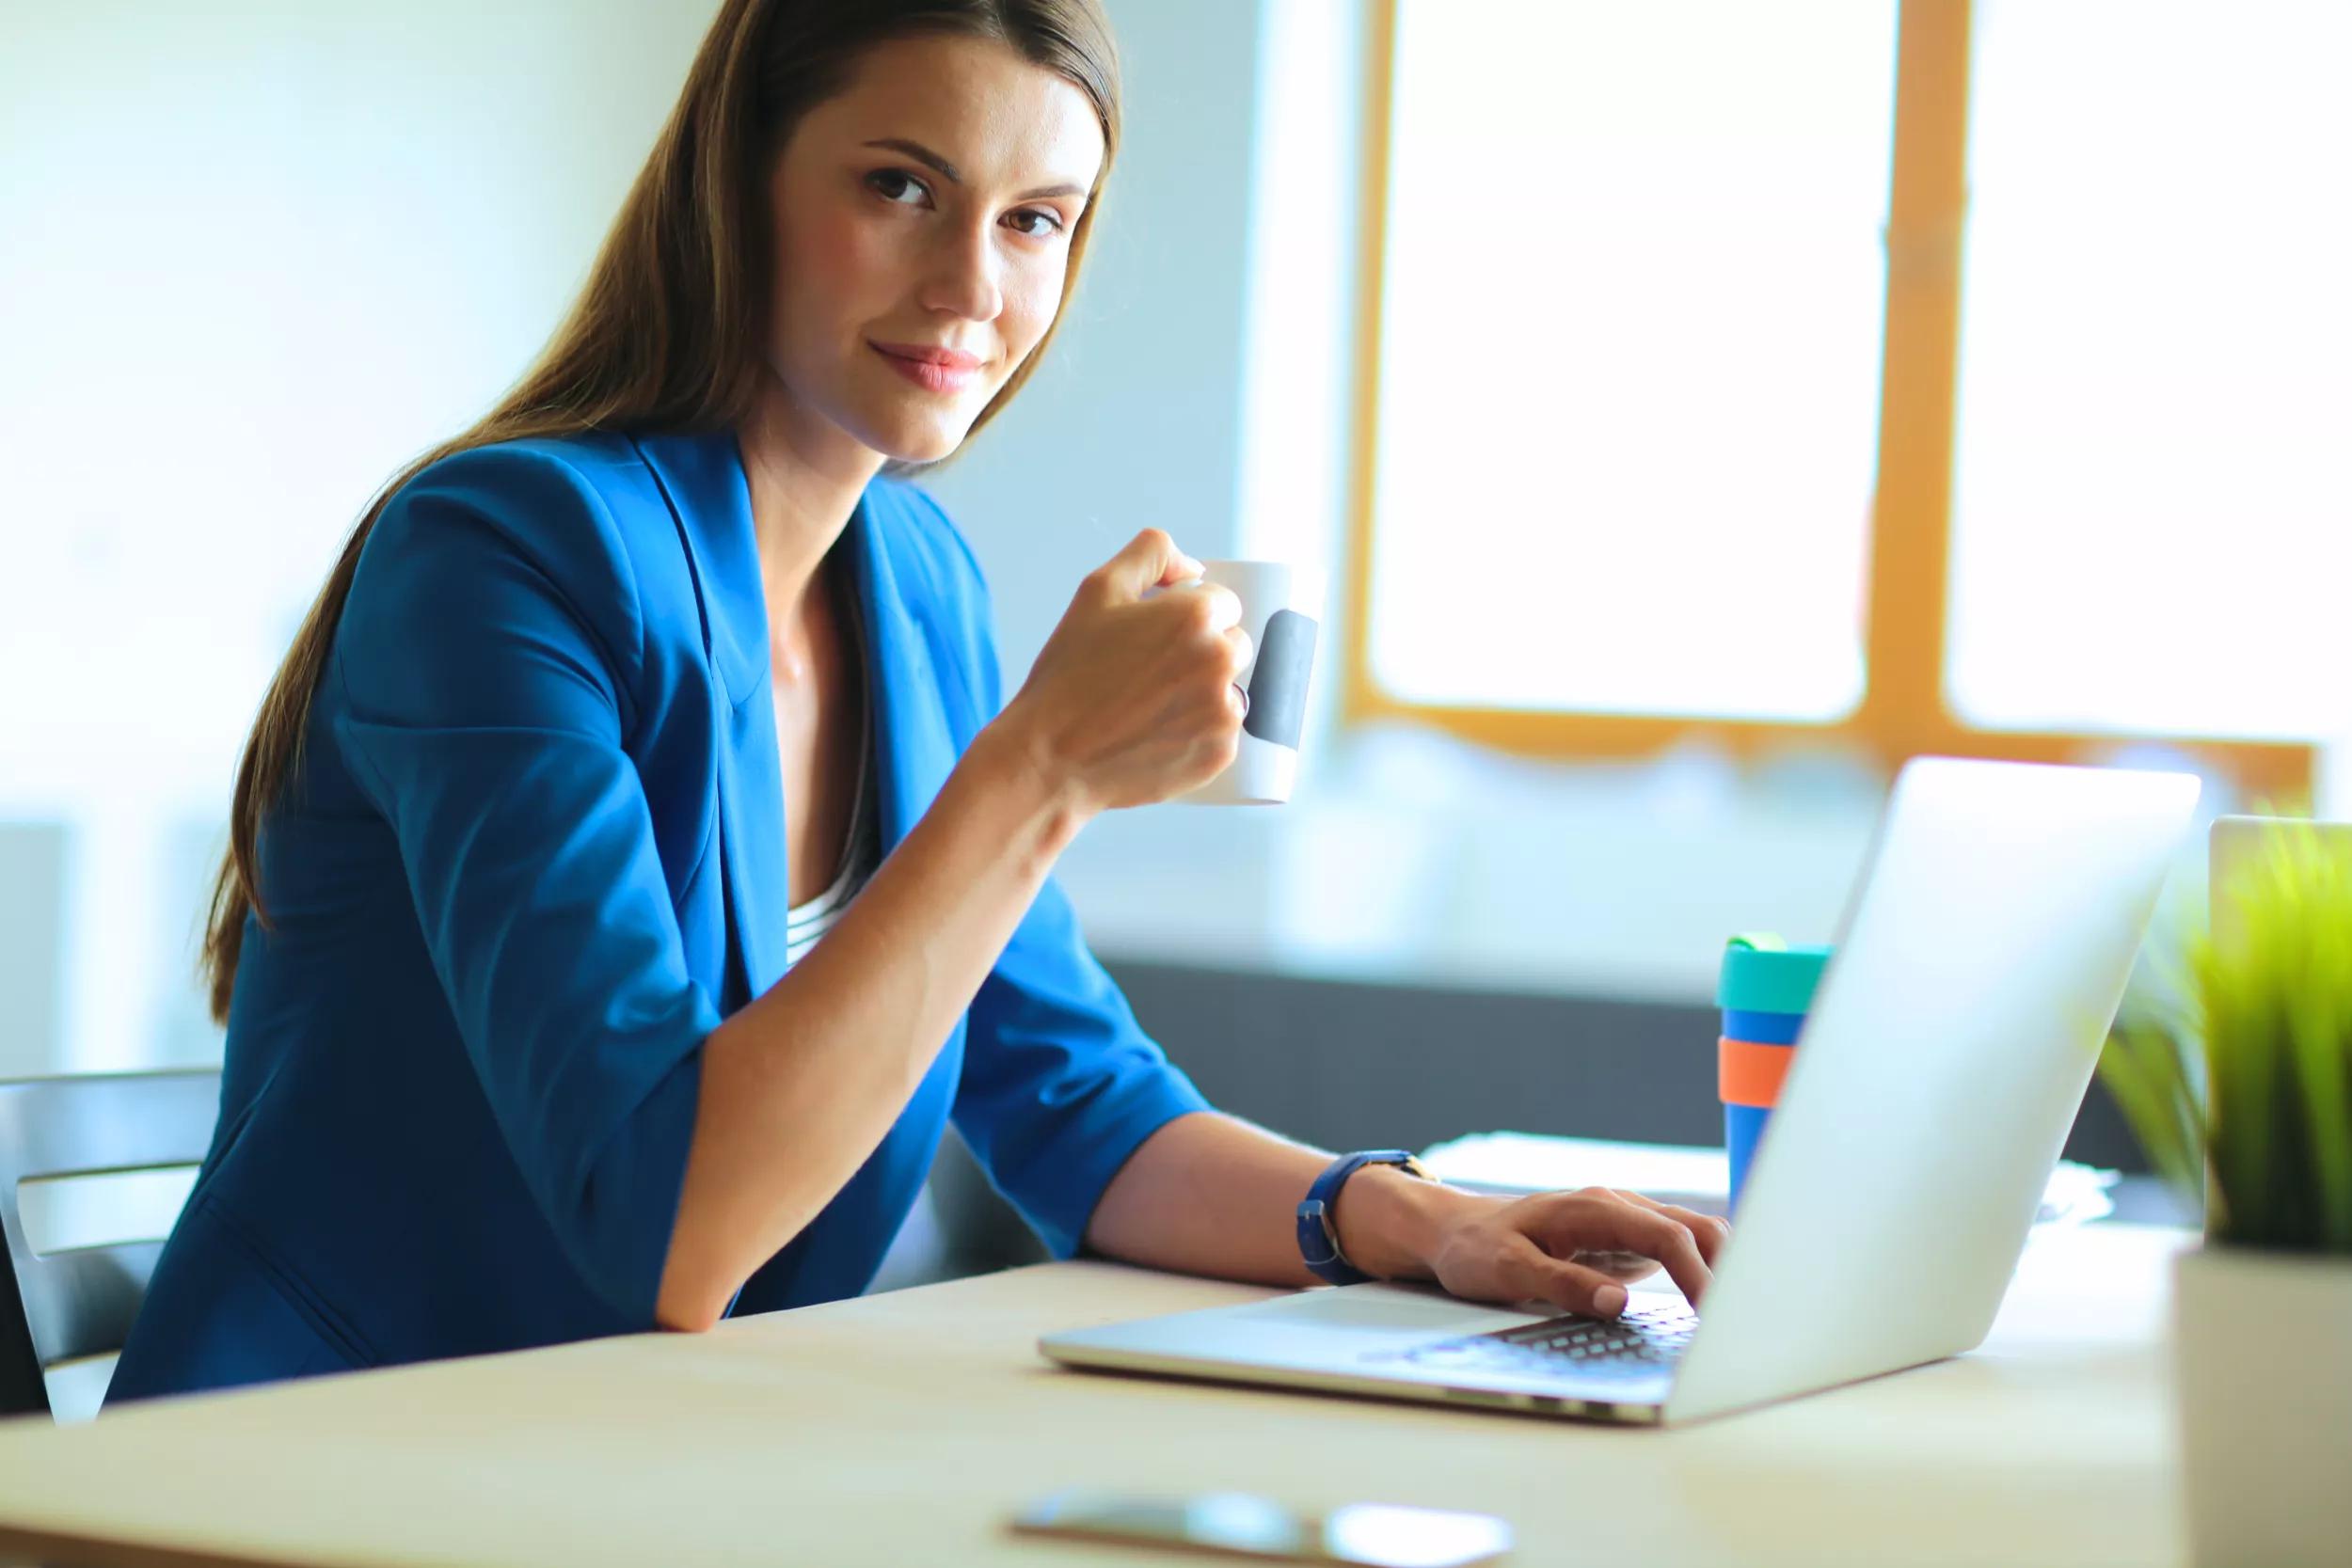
(253,255)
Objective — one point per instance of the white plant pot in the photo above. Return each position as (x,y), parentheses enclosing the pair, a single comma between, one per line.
(2261,1346)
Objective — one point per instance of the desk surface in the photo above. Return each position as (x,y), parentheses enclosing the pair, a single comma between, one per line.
(903,1429)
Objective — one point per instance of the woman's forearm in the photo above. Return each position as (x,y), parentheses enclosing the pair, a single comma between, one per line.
(1210,1193)
(800,1087)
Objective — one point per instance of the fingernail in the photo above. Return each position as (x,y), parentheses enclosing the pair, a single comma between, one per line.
(1609,1300)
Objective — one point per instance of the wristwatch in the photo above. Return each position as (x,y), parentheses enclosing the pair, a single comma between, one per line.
(1318,1239)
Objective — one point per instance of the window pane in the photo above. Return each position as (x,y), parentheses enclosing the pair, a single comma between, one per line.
(1630,354)
(2153,518)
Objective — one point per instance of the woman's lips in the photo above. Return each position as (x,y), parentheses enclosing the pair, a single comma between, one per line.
(934,370)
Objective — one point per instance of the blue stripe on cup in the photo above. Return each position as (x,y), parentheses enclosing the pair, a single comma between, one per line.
(1743,1126)
(1763,1028)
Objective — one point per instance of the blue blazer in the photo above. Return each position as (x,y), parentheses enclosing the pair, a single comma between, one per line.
(535,852)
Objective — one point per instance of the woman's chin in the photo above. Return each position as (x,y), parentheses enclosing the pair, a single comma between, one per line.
(925,438)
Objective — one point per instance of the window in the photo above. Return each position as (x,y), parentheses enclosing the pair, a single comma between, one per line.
(1677,423)
(2155,371)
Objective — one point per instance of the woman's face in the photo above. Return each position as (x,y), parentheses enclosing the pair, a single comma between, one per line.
(921,228)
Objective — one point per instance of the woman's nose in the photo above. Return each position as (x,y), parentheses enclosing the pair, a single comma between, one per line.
(965,276)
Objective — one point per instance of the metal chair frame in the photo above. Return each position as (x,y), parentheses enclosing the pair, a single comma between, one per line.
(79,1302)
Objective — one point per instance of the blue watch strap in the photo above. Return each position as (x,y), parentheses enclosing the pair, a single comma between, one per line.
(1318,1239)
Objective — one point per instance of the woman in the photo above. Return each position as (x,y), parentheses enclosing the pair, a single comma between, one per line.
(612,704)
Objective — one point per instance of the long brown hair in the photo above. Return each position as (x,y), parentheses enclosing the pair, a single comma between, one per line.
(668,330)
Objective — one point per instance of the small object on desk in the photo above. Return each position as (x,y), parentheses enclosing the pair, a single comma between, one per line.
(1240,1524)
(1691,1175)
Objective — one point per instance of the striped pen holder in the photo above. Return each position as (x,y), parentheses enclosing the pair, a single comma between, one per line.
(1766,988)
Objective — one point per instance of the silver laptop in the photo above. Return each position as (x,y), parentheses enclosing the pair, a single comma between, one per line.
(1979,966)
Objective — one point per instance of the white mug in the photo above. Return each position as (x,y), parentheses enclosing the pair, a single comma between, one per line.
(1281,610)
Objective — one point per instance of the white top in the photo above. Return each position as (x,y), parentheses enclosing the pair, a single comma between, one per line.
(862,852)
(805,923)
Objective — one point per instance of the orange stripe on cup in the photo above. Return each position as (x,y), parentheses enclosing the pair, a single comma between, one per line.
(1750,1074)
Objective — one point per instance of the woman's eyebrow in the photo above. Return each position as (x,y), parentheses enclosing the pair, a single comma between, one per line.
(949,171)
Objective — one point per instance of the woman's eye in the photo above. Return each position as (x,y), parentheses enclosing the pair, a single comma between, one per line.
(891,183)
(1047,222)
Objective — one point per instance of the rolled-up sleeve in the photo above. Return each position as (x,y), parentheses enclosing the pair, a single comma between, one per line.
(1061,1085)
(486,659)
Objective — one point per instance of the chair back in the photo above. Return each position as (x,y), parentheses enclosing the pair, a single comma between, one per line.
(78,1302)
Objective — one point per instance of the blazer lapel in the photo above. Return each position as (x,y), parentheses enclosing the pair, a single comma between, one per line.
(702,476)
(917,747)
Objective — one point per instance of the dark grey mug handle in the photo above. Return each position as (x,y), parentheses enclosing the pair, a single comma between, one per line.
(1278,682)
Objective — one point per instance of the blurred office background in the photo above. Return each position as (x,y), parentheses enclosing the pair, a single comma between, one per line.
(1706,447)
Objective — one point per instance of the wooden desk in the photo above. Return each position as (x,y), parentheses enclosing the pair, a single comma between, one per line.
(902,1429)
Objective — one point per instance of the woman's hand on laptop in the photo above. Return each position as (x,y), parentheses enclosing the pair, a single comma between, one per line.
(1576,1250)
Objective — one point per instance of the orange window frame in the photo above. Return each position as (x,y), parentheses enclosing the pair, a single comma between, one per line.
(1904,711)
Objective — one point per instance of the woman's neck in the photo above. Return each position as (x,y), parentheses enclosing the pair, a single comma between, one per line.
(805,475)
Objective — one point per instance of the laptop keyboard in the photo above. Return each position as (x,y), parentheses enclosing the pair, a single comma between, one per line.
(1642,1342)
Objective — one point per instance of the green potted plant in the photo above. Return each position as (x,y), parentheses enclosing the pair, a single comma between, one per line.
(2239,1085)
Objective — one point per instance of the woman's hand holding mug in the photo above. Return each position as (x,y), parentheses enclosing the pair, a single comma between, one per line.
(1135,697)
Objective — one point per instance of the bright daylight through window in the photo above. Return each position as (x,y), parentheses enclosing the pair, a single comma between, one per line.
(1634,312)
(1629,362)
(2151,514)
